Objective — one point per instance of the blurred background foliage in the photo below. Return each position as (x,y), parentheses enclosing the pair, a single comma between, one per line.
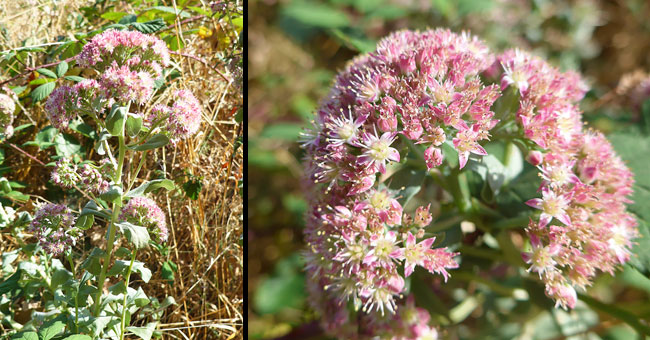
(297,47)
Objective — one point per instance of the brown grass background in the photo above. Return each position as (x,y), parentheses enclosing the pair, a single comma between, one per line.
(205,235)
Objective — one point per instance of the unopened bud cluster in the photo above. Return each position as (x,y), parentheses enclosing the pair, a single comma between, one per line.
(86,176)
(53,226)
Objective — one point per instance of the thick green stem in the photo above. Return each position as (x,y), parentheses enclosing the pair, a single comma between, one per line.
(459,188)
(126,289)
(135,175)
(76,303)
(111,228)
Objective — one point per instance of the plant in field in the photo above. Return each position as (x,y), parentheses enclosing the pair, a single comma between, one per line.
(429,112)
(126,66)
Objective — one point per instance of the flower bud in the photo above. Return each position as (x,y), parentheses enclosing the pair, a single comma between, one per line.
(535,158)
(433,157)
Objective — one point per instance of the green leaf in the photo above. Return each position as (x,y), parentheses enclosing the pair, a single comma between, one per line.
(151,186)
(363,45)
(4,184)
(11,283)
(192,188)
(133,125)
(67,145)
(27,336)
(92,263)
(47,73)
(629,146)
(42,91)
(616,312)
(118,268)
(635,279)
(285,289)
(83,129)
(144,272)
(61,69)
(128,19)
(450,154)
(168,270)
(144,333)
(113,195)
(318,15)
(408,181)
(74,78)
(51,331)
(92,208)
(116,119)
(18,90)
(167,9)
(137,235)
(113,16)
(138,297)
(18,196)
(78,337)
(149,26)
(121,266)
(85,222)
(283,131)
(157,141)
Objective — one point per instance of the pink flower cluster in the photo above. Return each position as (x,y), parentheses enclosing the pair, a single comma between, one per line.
(583,224)
(425,87)
(122,46)
(53,225)
(180,120)
(7,108)
(86,176)
(127,85)
(128,62)
(143,211)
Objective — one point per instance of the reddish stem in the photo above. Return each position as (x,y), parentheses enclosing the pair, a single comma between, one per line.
(32,69)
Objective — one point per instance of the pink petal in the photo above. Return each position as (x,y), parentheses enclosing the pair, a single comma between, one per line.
(544,219)
(394,155)
(564,218)
(408,269)
(535,203)
(428,242)
(478,149)
(410,239)
(462,159)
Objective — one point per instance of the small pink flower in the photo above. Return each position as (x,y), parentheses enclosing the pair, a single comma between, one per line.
(378,151)
(433,157)
(541,258)
(345,129)
(564,294)
(552,205)
(535,158)
(466,143)
(382,249)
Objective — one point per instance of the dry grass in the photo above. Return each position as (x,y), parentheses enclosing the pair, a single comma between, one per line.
(205,234)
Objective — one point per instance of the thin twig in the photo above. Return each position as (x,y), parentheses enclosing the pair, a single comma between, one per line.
(27,154)
(32,69)
(188,20)
(199,60)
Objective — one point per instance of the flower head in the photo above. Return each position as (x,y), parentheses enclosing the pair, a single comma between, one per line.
(143,211)
(123,84)
(7,108)
(62,105)
(53,225)
(121,46)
